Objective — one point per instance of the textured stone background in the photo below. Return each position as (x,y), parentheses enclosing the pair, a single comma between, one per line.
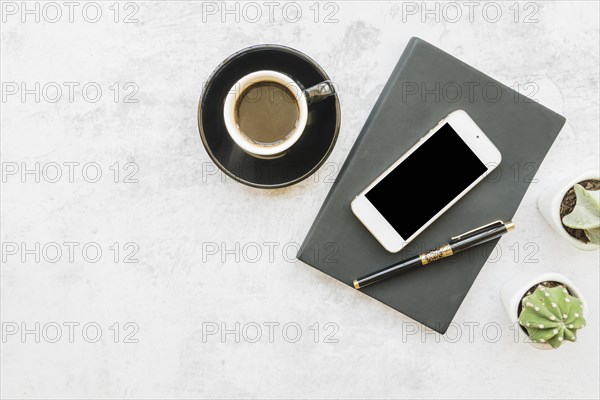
(212,252)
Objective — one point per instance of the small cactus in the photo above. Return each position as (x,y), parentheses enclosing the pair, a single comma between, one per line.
(586,213)
(551,315)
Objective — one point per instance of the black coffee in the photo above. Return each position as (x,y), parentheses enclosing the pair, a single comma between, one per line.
(267,112)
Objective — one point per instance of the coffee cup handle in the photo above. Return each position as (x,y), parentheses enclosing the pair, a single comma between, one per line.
(319,92)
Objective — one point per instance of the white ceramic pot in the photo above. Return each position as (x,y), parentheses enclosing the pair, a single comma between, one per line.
(549,205)
(516,287)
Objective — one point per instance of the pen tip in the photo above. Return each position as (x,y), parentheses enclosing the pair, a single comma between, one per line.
(509,226)
(356,285)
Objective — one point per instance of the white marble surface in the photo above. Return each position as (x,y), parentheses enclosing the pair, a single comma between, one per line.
(185,218)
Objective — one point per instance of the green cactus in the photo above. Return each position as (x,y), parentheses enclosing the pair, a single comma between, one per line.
(551,315)
(586,213)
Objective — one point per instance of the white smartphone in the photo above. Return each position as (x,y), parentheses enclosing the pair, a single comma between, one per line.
(426,181)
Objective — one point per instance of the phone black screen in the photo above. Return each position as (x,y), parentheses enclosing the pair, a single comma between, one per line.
(426,181)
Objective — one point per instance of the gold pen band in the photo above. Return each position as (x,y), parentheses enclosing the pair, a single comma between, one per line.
(436,254)
(356,285)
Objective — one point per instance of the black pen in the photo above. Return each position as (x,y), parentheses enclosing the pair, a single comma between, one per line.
(457,244)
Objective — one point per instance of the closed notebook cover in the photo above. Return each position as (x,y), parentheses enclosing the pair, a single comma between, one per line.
(426,85)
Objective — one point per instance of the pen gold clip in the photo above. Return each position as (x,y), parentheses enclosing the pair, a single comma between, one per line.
(476,230)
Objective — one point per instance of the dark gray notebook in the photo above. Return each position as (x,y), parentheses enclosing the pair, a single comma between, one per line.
(425,86)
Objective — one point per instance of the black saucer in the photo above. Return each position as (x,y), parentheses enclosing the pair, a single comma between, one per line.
(305,156)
